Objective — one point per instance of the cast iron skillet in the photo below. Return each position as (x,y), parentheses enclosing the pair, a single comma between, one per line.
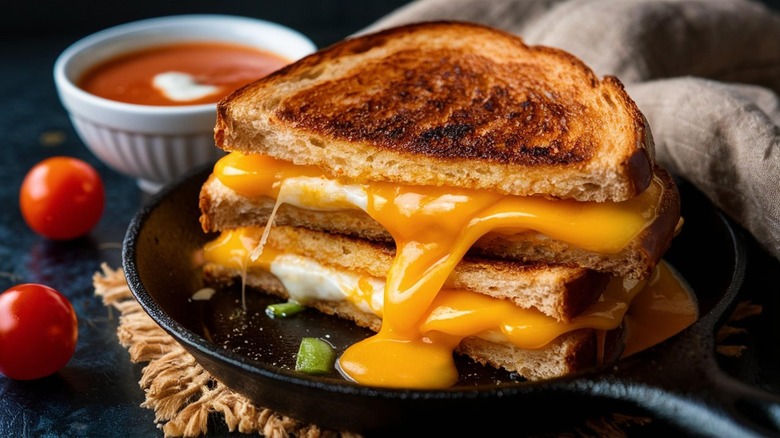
(677,384)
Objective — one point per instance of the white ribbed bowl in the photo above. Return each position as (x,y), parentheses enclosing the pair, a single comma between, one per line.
(157,144)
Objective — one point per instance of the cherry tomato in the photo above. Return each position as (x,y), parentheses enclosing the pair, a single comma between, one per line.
(38,331)
(62,198)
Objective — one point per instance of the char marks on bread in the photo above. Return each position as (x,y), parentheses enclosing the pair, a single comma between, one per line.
(448,104)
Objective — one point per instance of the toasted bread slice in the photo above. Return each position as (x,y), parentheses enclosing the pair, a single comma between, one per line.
(561,292)
(448,104)
(558,291)
(223,209)
(571,352)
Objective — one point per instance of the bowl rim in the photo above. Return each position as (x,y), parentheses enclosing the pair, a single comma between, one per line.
(67,86)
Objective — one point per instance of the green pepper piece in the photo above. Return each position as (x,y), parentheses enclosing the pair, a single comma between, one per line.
(283,310)
(315,356)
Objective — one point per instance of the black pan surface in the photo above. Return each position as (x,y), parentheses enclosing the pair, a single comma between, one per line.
(677,384)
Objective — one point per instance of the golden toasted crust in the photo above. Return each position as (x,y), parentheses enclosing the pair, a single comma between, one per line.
(448,103)
(569,353)
(224,209)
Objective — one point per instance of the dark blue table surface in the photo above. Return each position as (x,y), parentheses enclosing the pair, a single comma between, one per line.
(97,393)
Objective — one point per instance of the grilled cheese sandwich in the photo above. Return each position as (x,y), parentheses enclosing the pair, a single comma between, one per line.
(489,148)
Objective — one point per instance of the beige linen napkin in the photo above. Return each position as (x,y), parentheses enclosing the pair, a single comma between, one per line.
(706,74)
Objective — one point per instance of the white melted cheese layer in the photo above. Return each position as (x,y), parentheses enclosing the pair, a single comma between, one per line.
(307,280)
(324,194)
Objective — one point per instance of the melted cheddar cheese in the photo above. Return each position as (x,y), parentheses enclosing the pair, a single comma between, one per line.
(433,227)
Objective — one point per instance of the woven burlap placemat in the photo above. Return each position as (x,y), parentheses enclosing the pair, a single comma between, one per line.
(183,395)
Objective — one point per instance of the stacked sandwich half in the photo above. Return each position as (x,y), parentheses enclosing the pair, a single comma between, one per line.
(449,187)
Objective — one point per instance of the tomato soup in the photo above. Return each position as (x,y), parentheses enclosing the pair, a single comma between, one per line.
(188,73)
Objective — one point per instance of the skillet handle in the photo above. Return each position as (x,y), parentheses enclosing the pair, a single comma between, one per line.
(750,407)
(683,384)
(711,404)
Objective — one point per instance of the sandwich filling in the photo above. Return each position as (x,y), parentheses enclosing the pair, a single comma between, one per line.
(433,228)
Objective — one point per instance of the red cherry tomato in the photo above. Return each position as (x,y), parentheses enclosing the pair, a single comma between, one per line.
(62,198)
(38,331)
